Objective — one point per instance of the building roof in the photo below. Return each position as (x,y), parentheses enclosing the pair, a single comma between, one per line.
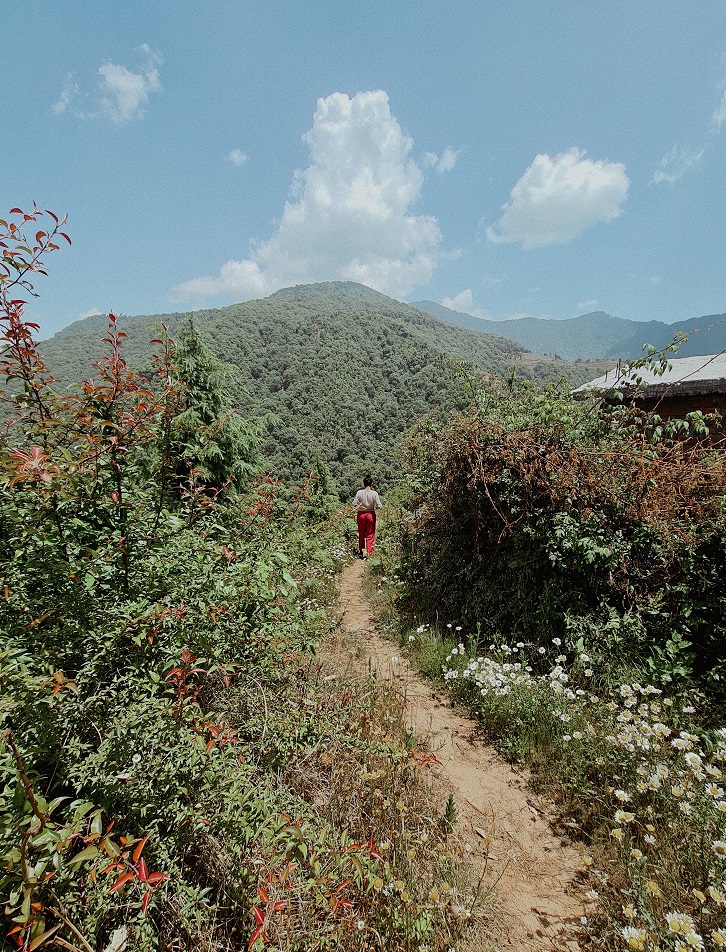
(686,375)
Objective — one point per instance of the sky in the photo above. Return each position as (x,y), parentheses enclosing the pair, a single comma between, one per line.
(541,158)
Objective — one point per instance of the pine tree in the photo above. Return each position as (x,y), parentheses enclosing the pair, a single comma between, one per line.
(210,439)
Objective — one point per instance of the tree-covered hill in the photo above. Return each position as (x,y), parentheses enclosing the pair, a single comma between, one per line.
(343,369)
(594,336)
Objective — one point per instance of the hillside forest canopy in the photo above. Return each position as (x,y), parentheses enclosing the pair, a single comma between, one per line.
(337,371)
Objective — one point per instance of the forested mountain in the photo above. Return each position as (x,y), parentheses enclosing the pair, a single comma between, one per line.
(343,369)
(594,336)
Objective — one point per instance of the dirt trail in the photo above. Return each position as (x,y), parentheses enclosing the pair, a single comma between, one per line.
(535,868)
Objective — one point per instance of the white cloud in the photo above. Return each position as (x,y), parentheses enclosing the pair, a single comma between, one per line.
(586,305)
(68,94)
(464,304)
(120,95)
(349,214)
(91,312)
(675,164)
(719,116)
(124,93)
(237,157)
(443,163)
(557,199)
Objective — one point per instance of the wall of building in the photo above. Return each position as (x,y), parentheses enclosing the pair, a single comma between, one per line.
(678,405)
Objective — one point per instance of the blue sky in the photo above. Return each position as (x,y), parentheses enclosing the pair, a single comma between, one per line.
(536,157)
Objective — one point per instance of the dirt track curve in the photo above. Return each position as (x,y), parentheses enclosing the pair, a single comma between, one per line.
(535,868)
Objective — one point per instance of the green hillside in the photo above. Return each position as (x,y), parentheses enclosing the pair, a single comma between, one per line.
(344,370)
(594,336)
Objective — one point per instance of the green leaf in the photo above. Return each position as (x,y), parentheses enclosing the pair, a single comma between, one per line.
(90,852)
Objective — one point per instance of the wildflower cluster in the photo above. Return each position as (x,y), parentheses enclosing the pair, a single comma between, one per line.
(648,784)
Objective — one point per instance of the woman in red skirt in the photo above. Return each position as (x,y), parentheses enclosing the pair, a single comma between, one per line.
(365,504)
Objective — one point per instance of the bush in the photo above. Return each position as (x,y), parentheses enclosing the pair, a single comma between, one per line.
(534,513)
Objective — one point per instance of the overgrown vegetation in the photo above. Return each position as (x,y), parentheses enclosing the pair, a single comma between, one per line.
(177,771)
(538,515)
(560,568)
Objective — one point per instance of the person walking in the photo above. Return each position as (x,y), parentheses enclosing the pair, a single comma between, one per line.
(365,504)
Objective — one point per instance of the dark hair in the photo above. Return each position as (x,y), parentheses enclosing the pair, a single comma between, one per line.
(368,480)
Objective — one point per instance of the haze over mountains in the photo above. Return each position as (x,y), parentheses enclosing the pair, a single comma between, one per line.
(344,369)
(594,336)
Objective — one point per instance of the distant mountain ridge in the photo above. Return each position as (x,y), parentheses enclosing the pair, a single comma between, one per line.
(594,336)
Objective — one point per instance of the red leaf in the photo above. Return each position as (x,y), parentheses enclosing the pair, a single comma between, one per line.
(259,931)
(280,905)
(156,878)
(16,211)
(259,914)
(143,870)
(262,893)
(64,235)
(137,852)
(121,881)
(146,899)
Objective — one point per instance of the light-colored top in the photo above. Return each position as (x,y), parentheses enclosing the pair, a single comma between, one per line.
(367,500)
(683,373)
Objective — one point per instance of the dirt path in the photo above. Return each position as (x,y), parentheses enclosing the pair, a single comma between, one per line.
(534,868)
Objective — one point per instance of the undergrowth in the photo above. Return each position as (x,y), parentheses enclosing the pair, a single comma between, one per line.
(177,771)
(635,775)
(560,570)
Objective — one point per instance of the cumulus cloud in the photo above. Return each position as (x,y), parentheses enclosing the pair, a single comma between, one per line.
(557,199)
(237,157)
(464,304)
(91,312)
(120,94)
(443,163)
(586,305)
(349,214)
(675,164)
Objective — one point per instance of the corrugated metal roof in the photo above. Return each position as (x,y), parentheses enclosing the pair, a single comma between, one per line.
(686,374)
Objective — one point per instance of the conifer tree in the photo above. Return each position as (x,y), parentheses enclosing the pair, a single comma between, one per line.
(210,440)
